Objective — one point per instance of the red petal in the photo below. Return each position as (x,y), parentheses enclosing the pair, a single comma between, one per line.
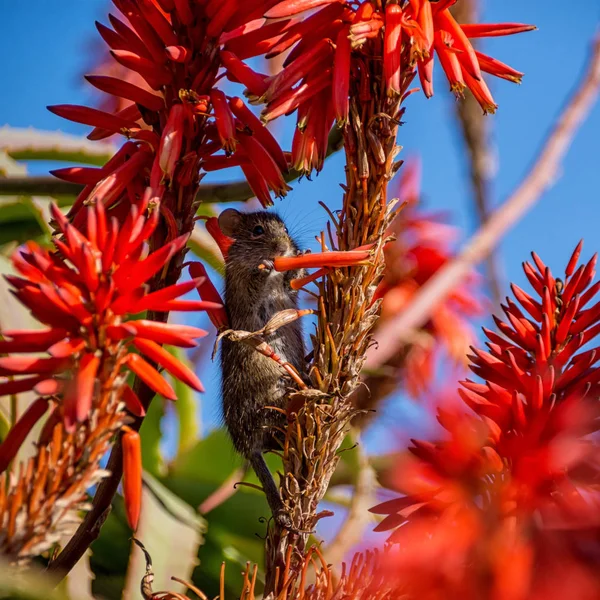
(444,20)
(322,259)
(29,365)
(208,292)
(30,341)
(92,116)
(132,476)
(155,74)
(223,241)
(132,402)
(260,132)
(184,305)
(81,175)
(131,278)
(167,333)
(169,293)
(164,358)
(341,76)
(224,119)
(16,386)
(475,30)
(150,376)
(78,398)
(287,8)
(129,91)
(19,431)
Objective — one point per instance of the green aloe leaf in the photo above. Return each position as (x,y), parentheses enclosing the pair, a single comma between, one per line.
(34,144)
(186,407)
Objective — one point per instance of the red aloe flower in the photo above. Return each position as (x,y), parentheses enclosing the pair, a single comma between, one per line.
(524,462)
(326,48)
(164,66)
(84,292)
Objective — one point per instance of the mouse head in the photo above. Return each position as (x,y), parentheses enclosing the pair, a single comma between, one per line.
(257,235)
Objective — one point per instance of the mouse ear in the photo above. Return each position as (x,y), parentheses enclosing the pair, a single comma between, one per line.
(229,221)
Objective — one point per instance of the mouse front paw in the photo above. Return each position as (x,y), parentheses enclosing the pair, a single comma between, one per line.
(266,266)
(303,252)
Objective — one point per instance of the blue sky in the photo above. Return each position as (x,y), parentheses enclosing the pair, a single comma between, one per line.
(47,46)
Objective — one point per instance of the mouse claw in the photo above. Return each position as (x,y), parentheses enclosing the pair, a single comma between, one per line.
(267,265)
(303,252)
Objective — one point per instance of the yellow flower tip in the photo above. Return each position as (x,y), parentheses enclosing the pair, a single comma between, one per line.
(458,89)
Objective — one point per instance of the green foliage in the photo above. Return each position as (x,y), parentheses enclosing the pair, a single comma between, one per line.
(17,586)
(33,144)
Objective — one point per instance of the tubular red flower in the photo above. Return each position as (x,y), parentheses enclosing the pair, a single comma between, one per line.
(91,116)
(17,434)
(298,69)
(78,398)
(392,48)
(497,68)
(288,8)
(156,76)
(264,163)
(165,359)
(257,41)
(150,376)
(171,141)
(468,59)
(208,292)
(476,30)
(260,132)
(224,120)
(341,76)
(223,241)
(129,91)
(132,476)
(255,83)
(348,258)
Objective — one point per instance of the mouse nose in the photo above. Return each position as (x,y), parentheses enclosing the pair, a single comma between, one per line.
(282,246)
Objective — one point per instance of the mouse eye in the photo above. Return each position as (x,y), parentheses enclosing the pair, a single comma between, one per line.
(258,230)
(286,230)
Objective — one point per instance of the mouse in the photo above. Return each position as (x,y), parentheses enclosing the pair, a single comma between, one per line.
(252,382)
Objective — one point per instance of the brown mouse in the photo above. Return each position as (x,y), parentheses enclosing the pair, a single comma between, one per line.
(251,381)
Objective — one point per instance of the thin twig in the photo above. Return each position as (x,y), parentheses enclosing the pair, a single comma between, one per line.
(224,491)
(237,191)
(541,176)
(474,127)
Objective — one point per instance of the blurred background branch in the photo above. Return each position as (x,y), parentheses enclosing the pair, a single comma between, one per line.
(538,180)
(475,130)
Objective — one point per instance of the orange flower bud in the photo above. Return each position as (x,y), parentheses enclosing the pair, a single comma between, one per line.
(172,140)
(341,76)
(19,431)
(132,476)
(392,48)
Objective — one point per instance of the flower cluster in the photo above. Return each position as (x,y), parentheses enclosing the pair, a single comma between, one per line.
(85,292)
(514,490)
(176,120)
(327,51)
(88,293)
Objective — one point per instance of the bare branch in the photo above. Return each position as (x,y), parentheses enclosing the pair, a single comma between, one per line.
(541,176)
(474,128)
